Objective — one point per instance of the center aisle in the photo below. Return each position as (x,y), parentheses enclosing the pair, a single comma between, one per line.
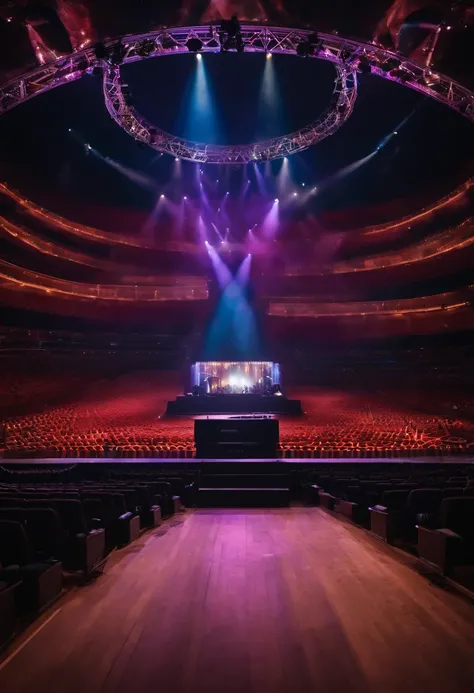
(267,601)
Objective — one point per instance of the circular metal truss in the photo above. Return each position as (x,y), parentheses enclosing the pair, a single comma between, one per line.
(348,56)
(341,105)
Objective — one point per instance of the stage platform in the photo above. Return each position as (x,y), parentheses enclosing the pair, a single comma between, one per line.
(190,405)
(193,463)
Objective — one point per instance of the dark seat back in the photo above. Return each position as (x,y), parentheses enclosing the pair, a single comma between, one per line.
(44,531)
(457,514)
(395,500)
(423,500)
(13,514)
(14,546)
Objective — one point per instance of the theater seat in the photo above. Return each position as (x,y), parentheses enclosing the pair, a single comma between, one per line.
(7,612)
(82,549)
(452,543)
(39,582)
(385,518)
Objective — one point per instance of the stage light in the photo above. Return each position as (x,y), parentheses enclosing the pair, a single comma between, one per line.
(304,49)
(194,45)
(161,196)
(199,56)
(147,48)
(303,184)
(364,66)
(268,56)
(69,130)
(276,199)
(185,198)
(176,158)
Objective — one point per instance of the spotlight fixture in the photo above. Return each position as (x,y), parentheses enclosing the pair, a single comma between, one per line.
(146,48)
(364,66)
(194,45)
(117,54)
(276,199)
(161,196)
(185,198)
(230,35)
(268,56)
(304,49)
(199,56)
(401,75)
(101,52)
(311,46)
(390,64)
(295,194)
(176,158)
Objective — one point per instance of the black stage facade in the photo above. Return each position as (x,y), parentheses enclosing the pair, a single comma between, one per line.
(191,405)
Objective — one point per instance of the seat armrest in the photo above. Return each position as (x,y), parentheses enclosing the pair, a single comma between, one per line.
(438,546)
(449,533)
(380,523)
(125,516)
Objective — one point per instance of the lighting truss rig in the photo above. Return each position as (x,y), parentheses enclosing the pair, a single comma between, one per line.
(349,58)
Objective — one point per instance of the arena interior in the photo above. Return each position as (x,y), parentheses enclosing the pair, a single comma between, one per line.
(243,227)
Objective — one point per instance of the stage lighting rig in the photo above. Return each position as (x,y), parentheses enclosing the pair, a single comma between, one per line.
(113,54)
(364,65)
(147,48)
(230,35)
(194,45)
(390,64)
(311,46)
(402,75)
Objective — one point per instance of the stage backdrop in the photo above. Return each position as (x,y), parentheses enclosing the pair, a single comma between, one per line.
(235,376)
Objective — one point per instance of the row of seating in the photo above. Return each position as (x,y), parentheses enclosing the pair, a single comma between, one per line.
(430,513)
(118,417)
(48,528)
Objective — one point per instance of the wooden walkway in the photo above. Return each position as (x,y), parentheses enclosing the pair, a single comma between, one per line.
(267,601)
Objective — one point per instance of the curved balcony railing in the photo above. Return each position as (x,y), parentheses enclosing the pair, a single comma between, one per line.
(301,308)
(12,276)
(458,238)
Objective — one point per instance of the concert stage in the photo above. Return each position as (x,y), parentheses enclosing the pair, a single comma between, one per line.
(190,405)
(234,387)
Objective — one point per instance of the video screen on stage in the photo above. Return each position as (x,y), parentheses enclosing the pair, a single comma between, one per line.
(236,377)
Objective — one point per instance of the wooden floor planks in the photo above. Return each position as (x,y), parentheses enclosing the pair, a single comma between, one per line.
(243,601)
